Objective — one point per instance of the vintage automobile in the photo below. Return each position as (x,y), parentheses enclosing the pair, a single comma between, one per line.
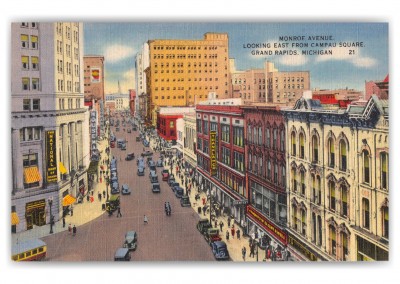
(147,153)
(203,225)
(122,254)
(212,235)
(220,250)
(130,240)
(123,146)
(153,168)
(140,171)
(113,203)
(114,187)
(171,180)
(165,175)
(155,188)
(185,201)
(159,163)
(178,191)
(153,177)
(125,190)
(138,139)
(130,157)
(174,185)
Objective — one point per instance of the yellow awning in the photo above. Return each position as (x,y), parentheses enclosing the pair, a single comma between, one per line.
(14,218)
(68,200)
(63,170)
(32,175)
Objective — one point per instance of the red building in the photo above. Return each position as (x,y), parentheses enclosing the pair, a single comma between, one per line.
(378,88)
(166,126)
(221,158)
(266,172)
(132,98)
(338,98)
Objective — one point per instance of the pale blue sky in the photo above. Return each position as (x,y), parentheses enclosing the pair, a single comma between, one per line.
(327,72)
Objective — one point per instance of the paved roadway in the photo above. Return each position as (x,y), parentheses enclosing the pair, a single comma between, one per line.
(164,238)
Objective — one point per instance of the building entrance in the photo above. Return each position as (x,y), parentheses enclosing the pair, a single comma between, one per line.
(35,214)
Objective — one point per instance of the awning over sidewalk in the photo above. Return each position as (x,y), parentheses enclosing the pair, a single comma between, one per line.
(32,174)
(68,200)
(63,170)
(93,167)
(14,218)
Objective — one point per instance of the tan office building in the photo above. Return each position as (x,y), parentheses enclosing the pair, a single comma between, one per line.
(249,85)
(93,77)
(285,86)
(183,72)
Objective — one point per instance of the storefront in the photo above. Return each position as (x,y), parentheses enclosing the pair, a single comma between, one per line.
(258,226)
(35,213)
(369,251)
(300,247)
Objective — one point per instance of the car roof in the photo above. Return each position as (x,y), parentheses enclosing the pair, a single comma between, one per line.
(125,185)
(156,184)
(220,244)
(130,233)
(121,252)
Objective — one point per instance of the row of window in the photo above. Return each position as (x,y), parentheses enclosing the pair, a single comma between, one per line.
(32,25)
(30,84)
(183,56)
(34,62)
(30,134)
(60,86)
(62,104)
(239,81)
(231,181)
(181,64)
(33,41)
(256,166)
(269,138)
(182,88)
(288,79)
(179,47)
(293,86)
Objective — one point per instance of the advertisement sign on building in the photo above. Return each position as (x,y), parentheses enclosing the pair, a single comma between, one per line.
(213,153)
(95,75)
(93,132)
(51,160)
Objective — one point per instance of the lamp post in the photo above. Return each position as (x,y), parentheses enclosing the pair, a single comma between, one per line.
(50,201)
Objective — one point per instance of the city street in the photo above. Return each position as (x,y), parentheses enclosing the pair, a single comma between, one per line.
(171,238)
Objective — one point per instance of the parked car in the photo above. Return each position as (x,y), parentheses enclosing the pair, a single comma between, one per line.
(122,254)
(130,157)
(220,250)
(212,235)
(185,201)
(114,178)
(165,175)
(129,130)
(203,225)
(171,179)
(159,163)
(153,168)
(115,187)
(125,190)
(140,159)
(150,162)
(112,144)
(140,171)
(153,177)
(178,191)
(123,146)
(138,139)
(174,185)
(155,188)
(147,153)
(130,240)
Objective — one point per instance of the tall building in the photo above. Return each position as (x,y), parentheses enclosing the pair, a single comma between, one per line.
(93,77)
(49,123)
(183,72)
(285,86)
(338,190)
(141,63)
(248,85)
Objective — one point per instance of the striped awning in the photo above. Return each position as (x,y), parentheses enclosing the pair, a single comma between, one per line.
(32,175)
(63,170)
(14,218)
(68,200)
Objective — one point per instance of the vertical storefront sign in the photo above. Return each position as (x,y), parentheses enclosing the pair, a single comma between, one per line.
(51,160)
(213,153)
(93,132)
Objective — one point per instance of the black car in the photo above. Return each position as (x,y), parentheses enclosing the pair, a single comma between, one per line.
(123,146)
(115,188)
(174,185)
(185,201)
(171,180)
(140,171)
(155,188)
(153,168)
(178,191)
(125,189)
(130,240)
(130,157)
(147,153)
(220,250)
(203,225)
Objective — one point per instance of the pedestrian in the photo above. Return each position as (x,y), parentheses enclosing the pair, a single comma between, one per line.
(204,210)
(104,194)
(233,232)
(72,211)
(87,197)
(203,200)
(63,221)
(221,225)
(74,231)
(229,221)
(227,235)
(215,223)
(119,212)
(256,235)
(238,234)
(99,196)
(69,229)
(145,220)
(244,253)
(251,251)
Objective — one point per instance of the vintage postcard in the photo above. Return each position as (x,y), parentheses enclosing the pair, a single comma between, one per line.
(245,142)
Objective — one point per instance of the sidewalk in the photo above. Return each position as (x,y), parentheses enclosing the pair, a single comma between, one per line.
(234,245)
(83,212)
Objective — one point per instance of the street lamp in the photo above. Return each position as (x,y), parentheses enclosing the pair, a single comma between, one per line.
(50,201)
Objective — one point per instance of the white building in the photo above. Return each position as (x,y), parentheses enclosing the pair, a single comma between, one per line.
(49,123)
(141,63)
(121,101)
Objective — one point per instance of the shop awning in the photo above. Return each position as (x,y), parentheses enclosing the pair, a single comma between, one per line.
(14,218)
(93,167)
(63,170)
(31,175)
(68,200)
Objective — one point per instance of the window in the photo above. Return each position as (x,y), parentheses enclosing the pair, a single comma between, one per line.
(315,148)
(260,139)
(200,144)
(249,136)
(283,176)
(275,137)
(25,84)
(199,126)
(30,160)
(226,156)
(343,155)
(385,222)
(345,245)
(332,237)
(293,174)
(282,140)
(225,129)
(205,129)
(34,42)
(206,147)
(24,41)
(35,62)
(303,185)
(25,62)
(250,163)
(275,173)
(238,136)
(303,222)
(365,212)
(268,137)
(365,157)
(239,161)
(332,198)
(344,197)
(36,104)
(255,164)
(384,170)
(35,83)
(293,139)
(269,170)
(294,217)
(255,135)
(331,156)
(301,138)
